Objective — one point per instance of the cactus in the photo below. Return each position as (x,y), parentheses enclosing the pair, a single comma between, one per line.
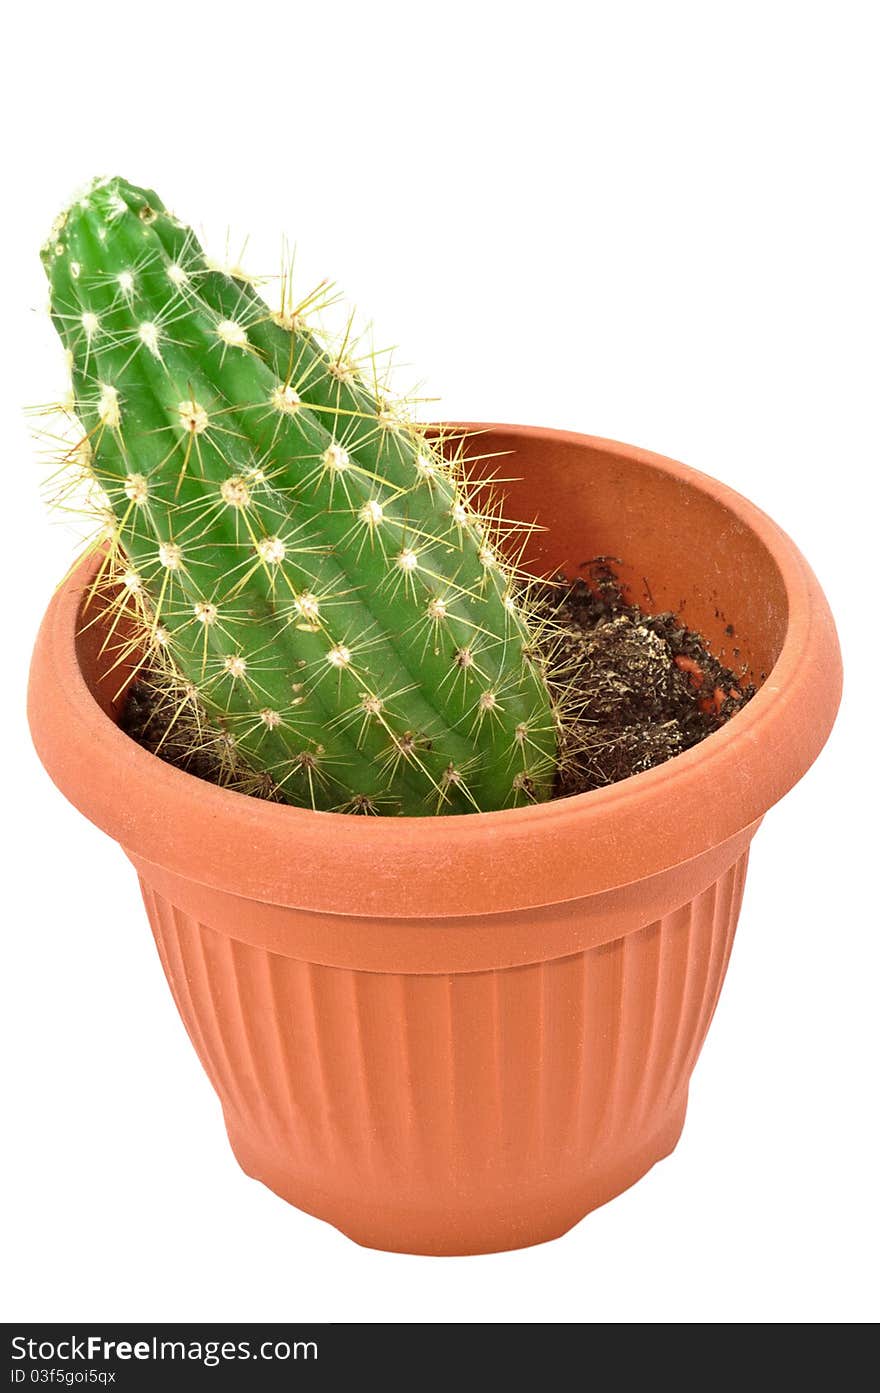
(313,573)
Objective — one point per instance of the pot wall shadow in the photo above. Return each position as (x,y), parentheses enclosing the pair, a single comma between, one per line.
(674,547)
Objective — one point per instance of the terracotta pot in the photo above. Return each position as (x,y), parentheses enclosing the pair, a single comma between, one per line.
(461,1034)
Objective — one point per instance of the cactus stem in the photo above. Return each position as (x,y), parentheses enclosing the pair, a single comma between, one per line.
(283,533)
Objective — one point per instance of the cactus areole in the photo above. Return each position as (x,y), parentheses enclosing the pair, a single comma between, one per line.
(301,560)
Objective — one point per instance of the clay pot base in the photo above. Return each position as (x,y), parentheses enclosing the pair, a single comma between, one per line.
(455,1113)
(468,1231)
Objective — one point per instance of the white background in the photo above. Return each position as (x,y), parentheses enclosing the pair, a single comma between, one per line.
(653,222)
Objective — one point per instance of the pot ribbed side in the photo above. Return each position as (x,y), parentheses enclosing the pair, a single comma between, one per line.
(454,1113)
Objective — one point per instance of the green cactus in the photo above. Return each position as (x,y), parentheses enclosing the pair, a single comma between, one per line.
(303,559)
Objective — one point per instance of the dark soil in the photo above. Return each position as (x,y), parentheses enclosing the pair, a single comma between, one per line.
(637,688)
(155,719)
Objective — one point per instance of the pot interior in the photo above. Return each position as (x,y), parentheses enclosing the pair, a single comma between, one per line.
(674,546)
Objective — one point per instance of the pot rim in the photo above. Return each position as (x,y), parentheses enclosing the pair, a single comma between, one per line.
(471,863)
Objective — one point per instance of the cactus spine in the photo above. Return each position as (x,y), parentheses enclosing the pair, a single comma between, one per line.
(306,562)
